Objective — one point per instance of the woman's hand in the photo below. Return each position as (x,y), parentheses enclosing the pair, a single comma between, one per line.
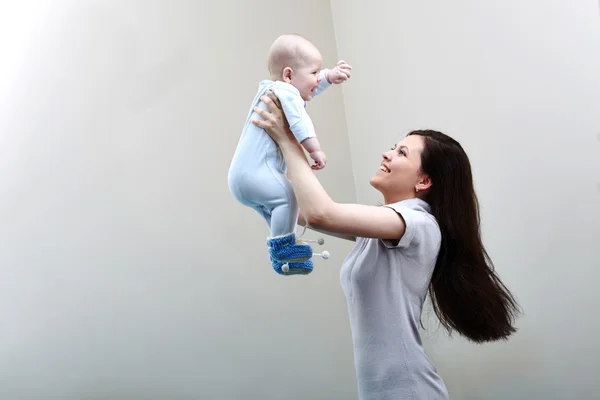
(273,121)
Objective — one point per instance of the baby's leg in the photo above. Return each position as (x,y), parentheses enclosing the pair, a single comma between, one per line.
(287,256)
(284,214)
(269,192)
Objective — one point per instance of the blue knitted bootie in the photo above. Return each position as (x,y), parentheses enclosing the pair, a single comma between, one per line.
(284,249)
(292,268)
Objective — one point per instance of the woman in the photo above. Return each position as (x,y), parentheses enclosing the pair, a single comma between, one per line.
(425,238)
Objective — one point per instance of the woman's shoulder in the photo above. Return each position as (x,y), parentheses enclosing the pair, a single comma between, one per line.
(421,226)
(414,204)
(416,207)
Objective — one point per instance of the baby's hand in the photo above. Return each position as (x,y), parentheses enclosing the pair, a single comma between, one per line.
(319,158)
(340,73)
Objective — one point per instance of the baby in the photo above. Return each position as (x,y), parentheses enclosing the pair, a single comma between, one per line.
(257,172)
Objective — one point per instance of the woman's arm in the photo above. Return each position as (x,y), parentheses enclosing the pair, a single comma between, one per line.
(319,210)
(302,222)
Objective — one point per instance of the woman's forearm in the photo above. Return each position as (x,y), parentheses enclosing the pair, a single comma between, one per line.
(302,222)
(313,200)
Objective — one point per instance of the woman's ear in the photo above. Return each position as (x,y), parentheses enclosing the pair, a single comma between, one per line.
(424,183)
(288,73)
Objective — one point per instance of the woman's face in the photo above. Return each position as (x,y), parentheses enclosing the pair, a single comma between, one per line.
(399,174)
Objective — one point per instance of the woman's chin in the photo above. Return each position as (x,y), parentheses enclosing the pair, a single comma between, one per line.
(374,181)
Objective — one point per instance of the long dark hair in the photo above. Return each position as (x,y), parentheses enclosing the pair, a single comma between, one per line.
(466,293)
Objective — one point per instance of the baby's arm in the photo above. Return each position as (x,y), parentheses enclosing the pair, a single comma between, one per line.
(313,147)
(324,84)
(338,74)
(300,123)
(293,107)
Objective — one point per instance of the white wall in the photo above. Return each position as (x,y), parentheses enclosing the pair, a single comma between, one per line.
(517,83)
(127,271)
(123,277)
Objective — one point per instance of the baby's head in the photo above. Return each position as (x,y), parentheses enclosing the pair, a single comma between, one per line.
(295,60)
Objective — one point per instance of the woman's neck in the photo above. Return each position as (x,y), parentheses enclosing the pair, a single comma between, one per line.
(398,198)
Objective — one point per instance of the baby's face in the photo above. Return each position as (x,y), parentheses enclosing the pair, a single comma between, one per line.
(306,78)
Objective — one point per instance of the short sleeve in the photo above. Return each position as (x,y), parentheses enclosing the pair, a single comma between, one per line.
(421,228)
(295,111)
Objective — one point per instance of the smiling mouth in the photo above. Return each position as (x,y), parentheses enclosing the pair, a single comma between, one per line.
(385,169)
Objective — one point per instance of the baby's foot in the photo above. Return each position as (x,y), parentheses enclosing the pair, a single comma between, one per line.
(292,268)
(285,249)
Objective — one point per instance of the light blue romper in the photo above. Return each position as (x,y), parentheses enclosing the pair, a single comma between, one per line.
(385,286)
(257,172)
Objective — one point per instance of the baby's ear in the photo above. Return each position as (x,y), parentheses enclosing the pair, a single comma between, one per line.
(287,74)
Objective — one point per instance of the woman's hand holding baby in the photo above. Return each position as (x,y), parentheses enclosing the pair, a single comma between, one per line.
(274,121)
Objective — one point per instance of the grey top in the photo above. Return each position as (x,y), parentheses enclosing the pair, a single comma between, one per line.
(385,287)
